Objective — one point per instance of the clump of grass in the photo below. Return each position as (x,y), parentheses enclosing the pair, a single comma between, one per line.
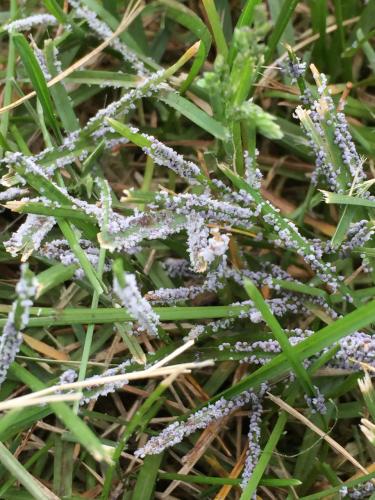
(191,188)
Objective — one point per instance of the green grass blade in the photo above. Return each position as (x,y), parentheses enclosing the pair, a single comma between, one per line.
(286,12)
(34,487)
(146,480)
(37,79)
(216,26)
(279,334)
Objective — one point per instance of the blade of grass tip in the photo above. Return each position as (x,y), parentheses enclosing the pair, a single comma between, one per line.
(345,199)
(191,52)
(368,429)
(280,336)
(7,92)
(37,79)
(32,485)
(39,208)
(286,13)
(217,29)
(146,480)
(137,420)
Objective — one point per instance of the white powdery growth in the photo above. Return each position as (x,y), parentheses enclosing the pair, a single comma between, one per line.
(95,127)
(29,235)
(200,419)
(253,174)
(216,247)
(56,61)
(288,236)
(215,280)
(96,391)
(12,193)
(326,130)
(254,450)
(104,32)
(211,209)
(126,233)
(42,62)
(358,235)
(168,157)
(138,307)
(177,268)
(28,164)
(104,390)
(197,232)
(28,23)
(295,68)
(317,403)
(68,377)
(172,295)
(354,349)
(260,351)
(60,250)
(360,492)
(211,328)
(17,321)
(114,142)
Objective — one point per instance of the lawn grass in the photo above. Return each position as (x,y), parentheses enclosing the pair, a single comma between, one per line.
(187,249)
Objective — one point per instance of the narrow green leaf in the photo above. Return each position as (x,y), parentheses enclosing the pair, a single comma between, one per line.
(217,29)
(195,114)
(279,334)
(286,13)
(146,480)
(37,79)
(32,485)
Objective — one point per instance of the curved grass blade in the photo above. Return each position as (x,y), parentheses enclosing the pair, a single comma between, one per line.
(37,79)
